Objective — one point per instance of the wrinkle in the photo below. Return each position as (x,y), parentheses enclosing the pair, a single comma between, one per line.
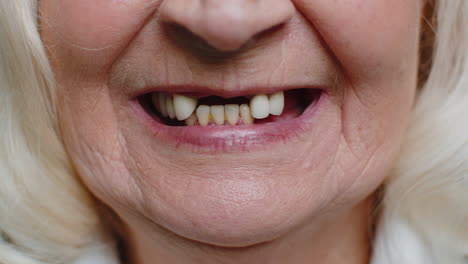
(330,174)
(131,159)
(366,165)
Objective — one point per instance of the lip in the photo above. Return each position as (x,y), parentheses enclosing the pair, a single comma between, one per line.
(226,138)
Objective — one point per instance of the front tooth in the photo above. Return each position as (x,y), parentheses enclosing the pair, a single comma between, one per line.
(170,107)
(162,104)
(191,120)
(203,115)
(246,115)
(260,106)
(184,106)
(277,103)
(217,111)
(232,113)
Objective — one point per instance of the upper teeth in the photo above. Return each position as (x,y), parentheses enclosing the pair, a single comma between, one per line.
(186,108)
(260,106)
(276,103)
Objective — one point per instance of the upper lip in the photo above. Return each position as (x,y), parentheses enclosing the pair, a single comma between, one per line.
(201,91)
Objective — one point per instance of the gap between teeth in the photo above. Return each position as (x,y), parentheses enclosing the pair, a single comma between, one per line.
(186,109)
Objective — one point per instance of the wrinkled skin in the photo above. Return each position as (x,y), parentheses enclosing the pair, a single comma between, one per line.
(364,52)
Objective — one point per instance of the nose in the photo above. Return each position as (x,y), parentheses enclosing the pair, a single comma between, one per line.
(226,24)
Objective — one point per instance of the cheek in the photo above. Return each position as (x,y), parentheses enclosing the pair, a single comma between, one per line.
(91,137)
(375,43)
(363,34)
(92,33)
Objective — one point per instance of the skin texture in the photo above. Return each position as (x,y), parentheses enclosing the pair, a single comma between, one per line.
(301,200)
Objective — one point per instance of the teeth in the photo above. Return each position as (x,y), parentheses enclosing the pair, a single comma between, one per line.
(191,120)
(260,106)
(246,115)
(232,113)
(184,106)
(170,107)
(162,104)
(203,114)
(217,112)
(276,103)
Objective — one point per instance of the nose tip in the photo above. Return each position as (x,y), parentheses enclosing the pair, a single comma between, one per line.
(226,24)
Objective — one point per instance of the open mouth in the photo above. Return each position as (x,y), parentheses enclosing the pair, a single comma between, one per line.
(188,109)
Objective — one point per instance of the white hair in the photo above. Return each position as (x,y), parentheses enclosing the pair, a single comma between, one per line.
(425,205)
(48,217)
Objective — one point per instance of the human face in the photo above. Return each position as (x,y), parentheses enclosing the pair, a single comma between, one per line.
(221,184)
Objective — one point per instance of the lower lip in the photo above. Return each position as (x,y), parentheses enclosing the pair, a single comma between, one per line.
(233,138)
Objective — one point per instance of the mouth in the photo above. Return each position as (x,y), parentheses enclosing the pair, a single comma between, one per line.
(189,109)
(224,123)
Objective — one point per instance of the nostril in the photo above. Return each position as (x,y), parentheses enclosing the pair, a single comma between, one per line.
(195,45)
(227,25)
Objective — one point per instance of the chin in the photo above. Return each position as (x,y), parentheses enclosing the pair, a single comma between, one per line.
(223,223)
